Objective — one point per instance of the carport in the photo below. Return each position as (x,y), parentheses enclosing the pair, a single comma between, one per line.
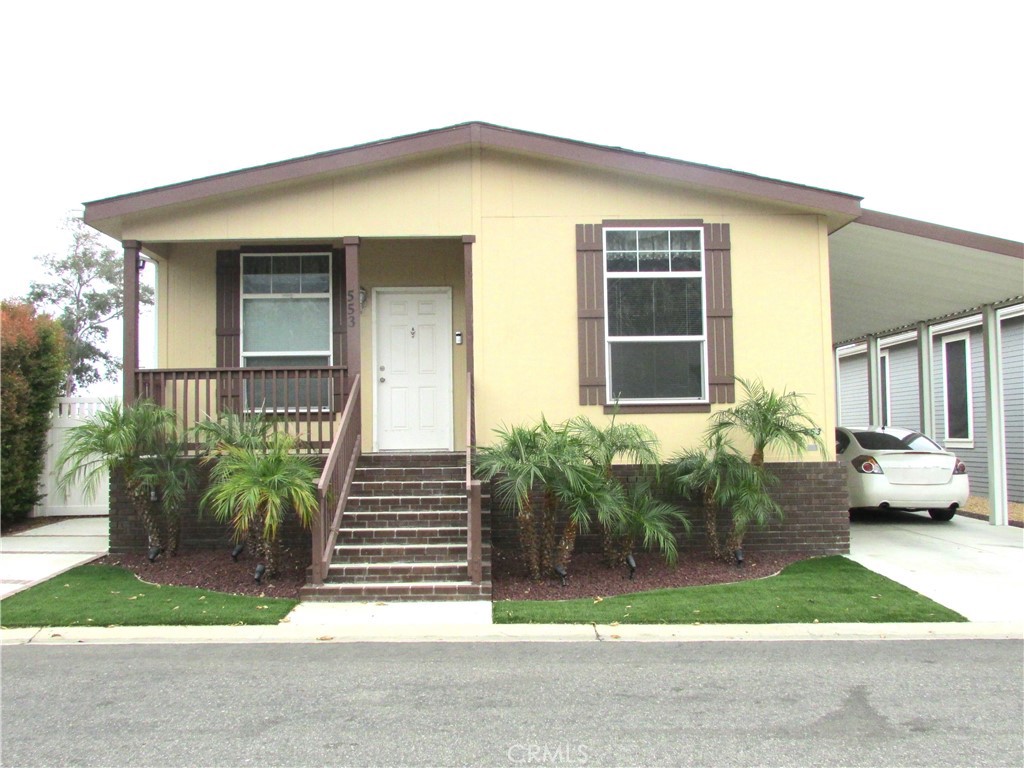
(895,276)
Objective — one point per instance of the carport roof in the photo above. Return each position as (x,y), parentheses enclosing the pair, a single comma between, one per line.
(889,272)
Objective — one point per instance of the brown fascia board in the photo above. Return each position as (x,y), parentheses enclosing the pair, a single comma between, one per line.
(476,134)
(941,234)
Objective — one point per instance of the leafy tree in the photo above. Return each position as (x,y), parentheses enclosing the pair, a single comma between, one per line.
(253,489)
(32,366)
(134,439)
(85,290)
(769,420)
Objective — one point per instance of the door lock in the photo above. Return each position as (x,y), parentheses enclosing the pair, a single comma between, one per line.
(381,379)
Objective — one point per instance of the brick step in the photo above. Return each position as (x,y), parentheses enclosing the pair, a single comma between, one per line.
(389,474)
(398,591)
(427,459)
(357,573)
(350,554)
(403,518)
(446,534)
(418,487)
(410,503)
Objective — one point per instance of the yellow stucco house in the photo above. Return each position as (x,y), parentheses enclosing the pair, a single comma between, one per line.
(412,294)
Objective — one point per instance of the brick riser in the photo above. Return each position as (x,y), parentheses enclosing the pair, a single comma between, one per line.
(403,534)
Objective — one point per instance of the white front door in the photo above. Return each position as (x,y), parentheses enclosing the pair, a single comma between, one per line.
(413,369)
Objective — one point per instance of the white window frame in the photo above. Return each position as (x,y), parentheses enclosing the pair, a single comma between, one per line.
(328,354)
(702,339)
(963,442)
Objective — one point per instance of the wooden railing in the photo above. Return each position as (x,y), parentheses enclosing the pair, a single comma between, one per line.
(335,483)
(474,540)
(303,401)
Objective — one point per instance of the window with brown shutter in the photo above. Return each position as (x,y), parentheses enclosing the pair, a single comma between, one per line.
(640,286)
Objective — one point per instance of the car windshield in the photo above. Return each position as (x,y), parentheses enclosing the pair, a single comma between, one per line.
(885,441)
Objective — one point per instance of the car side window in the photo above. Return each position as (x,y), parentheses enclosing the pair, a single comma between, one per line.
(842,441)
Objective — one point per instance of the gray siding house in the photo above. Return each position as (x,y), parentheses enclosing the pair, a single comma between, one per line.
(957,386)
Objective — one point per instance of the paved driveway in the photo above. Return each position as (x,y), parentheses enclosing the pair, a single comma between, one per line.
(41,553)
(970,566)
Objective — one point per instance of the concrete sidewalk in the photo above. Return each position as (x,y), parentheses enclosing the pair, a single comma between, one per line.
(41,553)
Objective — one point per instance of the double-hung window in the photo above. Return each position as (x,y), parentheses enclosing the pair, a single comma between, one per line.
(956,380)
(286,323)
(655,316)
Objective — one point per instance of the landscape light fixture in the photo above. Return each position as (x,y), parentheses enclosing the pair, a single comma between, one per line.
(237,551)
(739,557)
(260,570)
(154,553)
(561,573)
(631,564)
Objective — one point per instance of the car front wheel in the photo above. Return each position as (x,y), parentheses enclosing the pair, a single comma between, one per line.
(942,515)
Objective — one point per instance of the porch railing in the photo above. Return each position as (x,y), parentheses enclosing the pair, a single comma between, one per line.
(335,483)
(303,401)
(474,539)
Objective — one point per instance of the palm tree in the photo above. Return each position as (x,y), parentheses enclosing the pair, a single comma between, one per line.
(770,420)
(649,521)
(173,475)
(125,438)
(550,460)
(723,480)
(253,489)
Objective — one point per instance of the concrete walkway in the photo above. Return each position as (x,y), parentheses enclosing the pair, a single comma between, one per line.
(41,553)
(970,566)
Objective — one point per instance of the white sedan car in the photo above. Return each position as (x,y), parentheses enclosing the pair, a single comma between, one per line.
(893,468)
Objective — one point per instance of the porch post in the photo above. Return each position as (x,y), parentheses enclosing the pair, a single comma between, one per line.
(874,384)
(924,379)
(352,308)
(467,270)
(130,320)
(998,507)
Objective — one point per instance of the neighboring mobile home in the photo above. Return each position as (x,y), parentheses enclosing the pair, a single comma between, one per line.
(414,294)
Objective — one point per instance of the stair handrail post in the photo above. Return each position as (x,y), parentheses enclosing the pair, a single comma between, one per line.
(474,542)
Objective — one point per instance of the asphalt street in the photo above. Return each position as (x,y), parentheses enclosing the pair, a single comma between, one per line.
(820,703)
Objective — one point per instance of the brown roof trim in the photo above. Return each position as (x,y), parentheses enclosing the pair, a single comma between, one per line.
(942,234)
(470,134)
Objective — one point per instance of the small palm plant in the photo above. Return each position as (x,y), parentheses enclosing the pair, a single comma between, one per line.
(254,488)
(648,521)
(173,476)
(125,438)
(723,480)
(770,420)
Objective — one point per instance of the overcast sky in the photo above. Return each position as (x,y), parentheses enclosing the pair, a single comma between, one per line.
(914,106)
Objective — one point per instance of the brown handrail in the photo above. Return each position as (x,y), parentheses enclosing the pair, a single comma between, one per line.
(474,541)
(336,482)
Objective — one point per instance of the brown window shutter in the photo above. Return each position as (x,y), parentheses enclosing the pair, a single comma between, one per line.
(229,314)
(590,312)
(718,272)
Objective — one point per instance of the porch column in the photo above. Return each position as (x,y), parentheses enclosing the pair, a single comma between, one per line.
(467,270)
(998,501)
(874,383)
(130,319)
(925,403)
(352,308)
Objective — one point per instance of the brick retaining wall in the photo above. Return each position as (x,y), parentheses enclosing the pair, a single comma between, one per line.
(813,497)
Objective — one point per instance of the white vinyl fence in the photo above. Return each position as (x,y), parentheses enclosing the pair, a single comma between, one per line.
(69,412)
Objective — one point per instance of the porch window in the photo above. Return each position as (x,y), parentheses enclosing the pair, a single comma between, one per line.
(286,323)
(655,315)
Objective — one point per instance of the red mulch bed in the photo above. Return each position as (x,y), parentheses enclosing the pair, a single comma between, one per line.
(215,570)
(588,575)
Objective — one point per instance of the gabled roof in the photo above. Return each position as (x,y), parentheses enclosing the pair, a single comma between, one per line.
(839,207)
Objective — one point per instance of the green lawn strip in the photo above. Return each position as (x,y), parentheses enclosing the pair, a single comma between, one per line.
(824,590)
(105,595)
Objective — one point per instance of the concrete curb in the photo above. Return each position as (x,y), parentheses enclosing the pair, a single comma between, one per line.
(517,633)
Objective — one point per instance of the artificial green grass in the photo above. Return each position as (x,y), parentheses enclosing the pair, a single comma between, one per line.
(820,590)
(105,595)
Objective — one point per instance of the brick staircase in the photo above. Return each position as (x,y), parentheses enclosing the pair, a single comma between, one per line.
(403,534)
